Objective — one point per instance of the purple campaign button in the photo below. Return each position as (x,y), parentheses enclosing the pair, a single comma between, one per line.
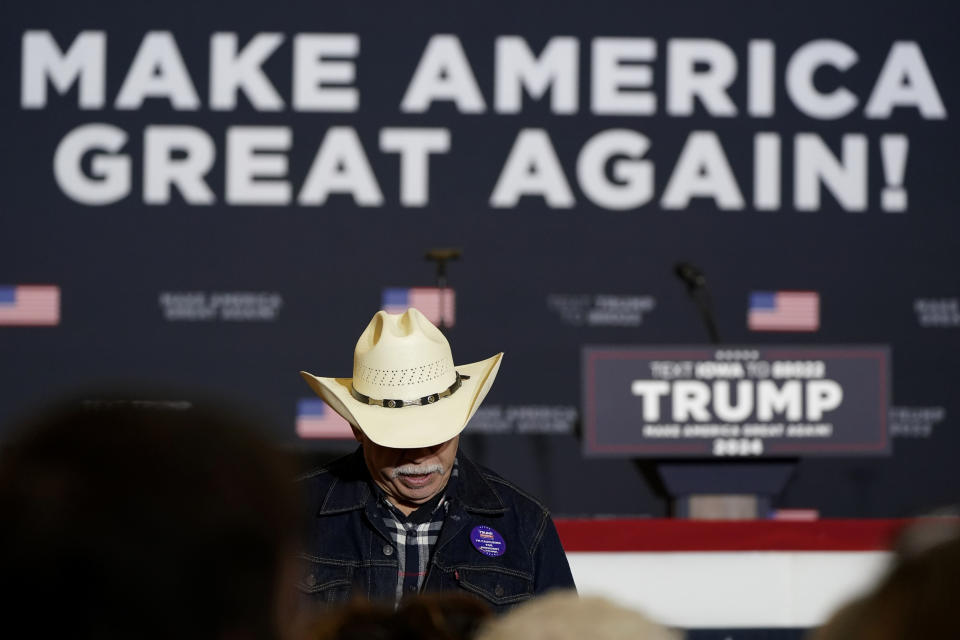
(487,541)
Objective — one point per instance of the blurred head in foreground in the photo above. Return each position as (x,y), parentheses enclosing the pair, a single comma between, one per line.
(917,599)
(122,520)
(427,616)
(564,616)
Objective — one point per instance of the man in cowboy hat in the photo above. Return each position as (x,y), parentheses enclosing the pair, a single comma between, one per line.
(408,512)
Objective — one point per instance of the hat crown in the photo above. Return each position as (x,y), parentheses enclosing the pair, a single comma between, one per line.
(402,357)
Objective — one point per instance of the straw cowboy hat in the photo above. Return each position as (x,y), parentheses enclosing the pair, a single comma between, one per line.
(406,391)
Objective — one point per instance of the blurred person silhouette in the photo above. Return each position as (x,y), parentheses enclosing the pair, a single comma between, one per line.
(562,615)
(356,619)
(123,519)
(428,616)
(444,615)
(917,598)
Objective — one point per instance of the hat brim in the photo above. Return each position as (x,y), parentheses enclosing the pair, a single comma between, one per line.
(416,426)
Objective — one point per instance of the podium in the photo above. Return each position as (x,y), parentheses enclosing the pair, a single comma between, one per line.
(725,425)
(724,490)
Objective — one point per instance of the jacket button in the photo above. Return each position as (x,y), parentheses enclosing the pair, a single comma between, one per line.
(387,550)
(498,591)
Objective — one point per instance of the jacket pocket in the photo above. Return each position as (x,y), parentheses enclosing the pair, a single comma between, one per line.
(497,585)
(325,581)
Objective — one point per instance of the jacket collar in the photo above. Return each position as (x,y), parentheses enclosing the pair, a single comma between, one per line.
(351,489)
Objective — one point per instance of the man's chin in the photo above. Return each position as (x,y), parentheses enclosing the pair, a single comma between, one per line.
(416,490)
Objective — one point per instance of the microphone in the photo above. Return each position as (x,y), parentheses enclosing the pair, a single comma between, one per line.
(691,275)
(696,282)
(442,255)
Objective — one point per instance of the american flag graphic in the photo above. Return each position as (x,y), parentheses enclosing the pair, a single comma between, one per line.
(29,305)
(316,420)
(784,311)
(427,300)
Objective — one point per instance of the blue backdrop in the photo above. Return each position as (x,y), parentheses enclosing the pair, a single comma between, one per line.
(221,196)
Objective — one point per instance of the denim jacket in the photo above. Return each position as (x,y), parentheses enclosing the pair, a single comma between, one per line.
(348,551)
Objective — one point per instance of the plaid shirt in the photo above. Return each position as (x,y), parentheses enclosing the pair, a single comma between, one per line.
(414,537)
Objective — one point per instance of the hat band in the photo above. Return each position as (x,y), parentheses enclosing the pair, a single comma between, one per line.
(399,404)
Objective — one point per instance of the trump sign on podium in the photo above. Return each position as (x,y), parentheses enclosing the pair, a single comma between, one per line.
(736,401)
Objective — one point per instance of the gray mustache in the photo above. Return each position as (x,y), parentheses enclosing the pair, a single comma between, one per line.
(417,470)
